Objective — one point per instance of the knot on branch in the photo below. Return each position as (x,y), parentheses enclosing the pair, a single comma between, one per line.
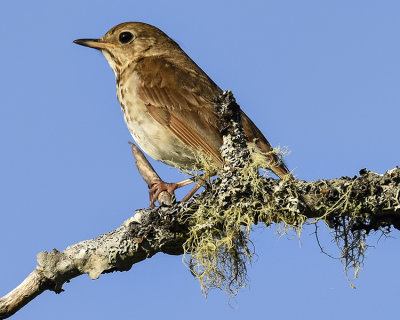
(56,267)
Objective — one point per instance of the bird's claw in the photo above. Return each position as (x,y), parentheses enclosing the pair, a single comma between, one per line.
(158,187)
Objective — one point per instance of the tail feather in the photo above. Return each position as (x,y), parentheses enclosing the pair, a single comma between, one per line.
(282,171)
(276,165)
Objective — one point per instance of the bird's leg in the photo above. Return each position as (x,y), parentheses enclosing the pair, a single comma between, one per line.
(159,186)
(191,192)
(203,178)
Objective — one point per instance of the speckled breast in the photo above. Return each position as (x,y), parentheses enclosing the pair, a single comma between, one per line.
(153,138)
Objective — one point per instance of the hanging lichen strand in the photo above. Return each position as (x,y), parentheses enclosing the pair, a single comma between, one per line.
(218,248)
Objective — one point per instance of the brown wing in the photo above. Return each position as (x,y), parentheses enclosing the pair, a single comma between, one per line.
(180,97)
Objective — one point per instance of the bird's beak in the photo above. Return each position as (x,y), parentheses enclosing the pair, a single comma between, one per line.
(94,43)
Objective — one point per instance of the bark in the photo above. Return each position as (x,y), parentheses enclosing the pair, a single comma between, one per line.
(370,200)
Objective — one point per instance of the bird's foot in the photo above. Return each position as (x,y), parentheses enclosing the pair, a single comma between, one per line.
(159,186)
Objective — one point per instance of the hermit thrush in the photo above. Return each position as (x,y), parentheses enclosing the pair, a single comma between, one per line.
(167,100)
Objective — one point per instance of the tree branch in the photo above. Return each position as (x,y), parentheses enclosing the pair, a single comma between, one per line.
(371,201)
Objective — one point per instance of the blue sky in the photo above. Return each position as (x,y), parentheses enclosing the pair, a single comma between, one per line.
(319,77)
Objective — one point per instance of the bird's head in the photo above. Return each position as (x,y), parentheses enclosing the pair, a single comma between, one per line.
(128,42)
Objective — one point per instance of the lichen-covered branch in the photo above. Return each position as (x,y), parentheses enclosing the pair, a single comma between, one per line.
(138,238)
(213,228)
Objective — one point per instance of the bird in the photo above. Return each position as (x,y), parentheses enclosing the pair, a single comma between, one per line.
(168,102)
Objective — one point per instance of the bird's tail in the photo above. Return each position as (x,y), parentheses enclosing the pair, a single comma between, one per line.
(281,171)
(274,162)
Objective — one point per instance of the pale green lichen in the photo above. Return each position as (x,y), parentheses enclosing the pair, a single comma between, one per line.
(219,248)
(342,217)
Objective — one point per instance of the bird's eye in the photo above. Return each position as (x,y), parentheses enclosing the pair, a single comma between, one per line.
(125,37)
